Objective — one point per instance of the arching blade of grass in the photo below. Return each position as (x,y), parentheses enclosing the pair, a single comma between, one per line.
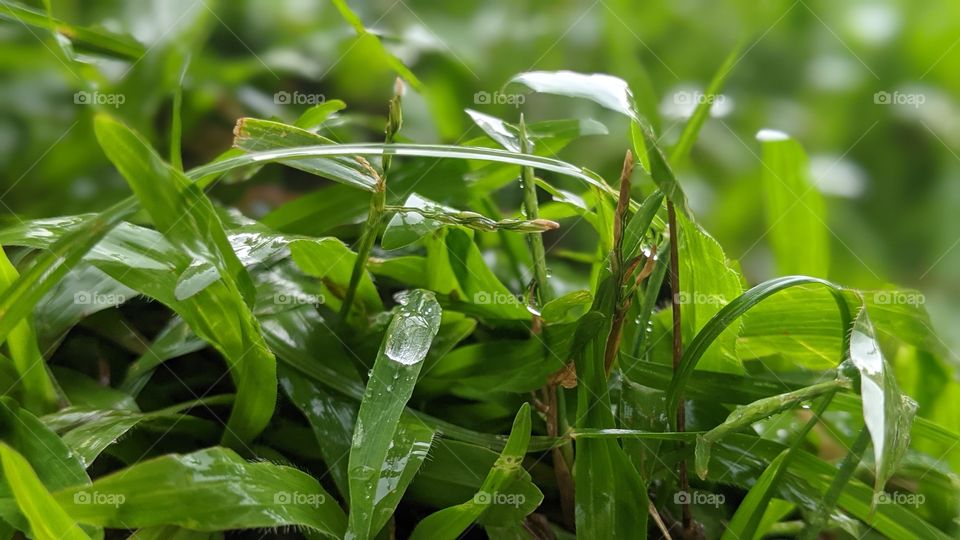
(255,135)
(47,519)
(289,153)
(208,490)
(730,313)
(451,522)
(187,218)
(39,394)
(394,374)
(794,208)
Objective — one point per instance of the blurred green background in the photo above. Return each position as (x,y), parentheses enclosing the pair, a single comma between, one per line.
(870,88)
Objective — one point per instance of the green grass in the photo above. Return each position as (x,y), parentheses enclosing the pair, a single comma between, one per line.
(401,352)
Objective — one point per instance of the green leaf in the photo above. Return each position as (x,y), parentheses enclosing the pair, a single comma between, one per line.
(391,383)
(794,208)
(38,393)
(92,40)
(255,135)
(364,34)
(451,522)
(332,261)
(887,413)
(177,208)
(315,116)
(730,313)
(208,490)
(692,128)
(612,93)
(48,521)
(219,311)
(708,282)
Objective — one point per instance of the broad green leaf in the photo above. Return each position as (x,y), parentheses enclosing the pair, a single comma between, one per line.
(708,282)
(208,490)
(217,314)
(794,208)
(887,412)
(38,392)
(48,521)
(177,208)
(495,491)
(394,374)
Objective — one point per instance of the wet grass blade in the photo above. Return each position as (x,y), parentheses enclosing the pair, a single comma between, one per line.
(188,220)
(47,519)
(39,394)
(394,374)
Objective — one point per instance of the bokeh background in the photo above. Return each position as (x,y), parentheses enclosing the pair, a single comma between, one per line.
(870,88)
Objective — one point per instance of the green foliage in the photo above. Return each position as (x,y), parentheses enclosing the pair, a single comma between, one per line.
(314,334)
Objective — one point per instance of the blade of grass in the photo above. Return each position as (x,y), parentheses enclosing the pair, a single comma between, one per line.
(48,520)
(395,372)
